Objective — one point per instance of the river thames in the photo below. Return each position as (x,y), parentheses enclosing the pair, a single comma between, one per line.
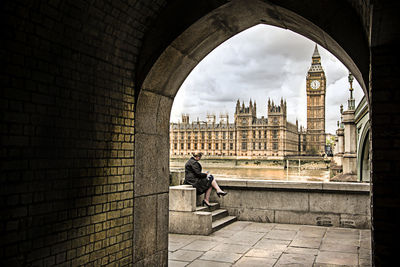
(259,173)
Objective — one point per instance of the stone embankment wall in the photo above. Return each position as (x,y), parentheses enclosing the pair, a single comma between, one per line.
(228,162)
(311,203)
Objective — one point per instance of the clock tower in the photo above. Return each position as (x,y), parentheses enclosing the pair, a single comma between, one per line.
(316,89)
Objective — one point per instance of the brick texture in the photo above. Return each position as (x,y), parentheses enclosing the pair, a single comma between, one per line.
(67,130)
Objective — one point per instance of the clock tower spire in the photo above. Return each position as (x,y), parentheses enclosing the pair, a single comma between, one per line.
(316,90)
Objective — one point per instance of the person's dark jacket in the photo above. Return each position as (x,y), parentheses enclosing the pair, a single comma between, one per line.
(195,177)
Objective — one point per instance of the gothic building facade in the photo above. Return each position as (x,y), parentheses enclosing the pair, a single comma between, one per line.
(273,137)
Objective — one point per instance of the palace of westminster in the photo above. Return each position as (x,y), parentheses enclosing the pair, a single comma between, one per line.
(270,138)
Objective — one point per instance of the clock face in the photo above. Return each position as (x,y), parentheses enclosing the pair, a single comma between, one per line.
(315,84)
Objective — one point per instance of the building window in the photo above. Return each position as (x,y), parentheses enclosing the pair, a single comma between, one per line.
(195,146)
(231,146)
(182,145)
(188,135)
(254,134)
(209,135)
(265,134)
(254,146)
(259,146)
(209,146)
(223,146)
(216,135)
(223,135)
(244,134)
(259,134)
(202,145)
(231,135)
(275,146)
(274,134)
(188,146)
(175,146)
(202,135)
(244,145)
(265,146)
(216,145)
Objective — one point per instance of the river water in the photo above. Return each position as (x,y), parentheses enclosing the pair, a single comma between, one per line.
(258,173)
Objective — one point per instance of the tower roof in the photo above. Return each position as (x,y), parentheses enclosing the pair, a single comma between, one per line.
(316,62)
(316,53)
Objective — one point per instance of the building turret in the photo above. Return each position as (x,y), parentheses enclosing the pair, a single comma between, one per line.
(224,118)
(185,119)
(210,118)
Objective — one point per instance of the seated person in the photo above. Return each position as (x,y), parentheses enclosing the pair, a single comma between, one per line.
(203,182)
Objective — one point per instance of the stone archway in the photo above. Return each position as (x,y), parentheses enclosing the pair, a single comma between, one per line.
(363,155)
(161,81)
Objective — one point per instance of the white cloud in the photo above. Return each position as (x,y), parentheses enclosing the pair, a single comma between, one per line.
(260,63)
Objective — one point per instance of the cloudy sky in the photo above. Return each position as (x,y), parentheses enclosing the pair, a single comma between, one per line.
(260,63)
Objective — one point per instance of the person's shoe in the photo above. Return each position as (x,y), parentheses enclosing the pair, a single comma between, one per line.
(222,193)
(205,203)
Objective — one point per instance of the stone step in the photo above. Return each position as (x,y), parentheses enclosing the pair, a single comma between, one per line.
(218,214)
(214,206)
(218,224)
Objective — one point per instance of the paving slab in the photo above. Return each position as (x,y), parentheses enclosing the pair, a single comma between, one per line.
(281,234)
(304,251)
(173,246)
(282,226)
(339,247)
(272,244)
(224,233)
(306,242)
(185,255)
(264,253)
(255,262)
(316,232)
(172,263)
(203,263)
(220,256)
(201,245)
(237,226)
(260,227)
(234,248)
(245,238)
(295,260)
(336,258)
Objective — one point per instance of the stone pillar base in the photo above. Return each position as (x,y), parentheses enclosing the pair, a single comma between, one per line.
(350,164)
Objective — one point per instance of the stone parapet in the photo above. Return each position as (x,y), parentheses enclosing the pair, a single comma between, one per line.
(313,203)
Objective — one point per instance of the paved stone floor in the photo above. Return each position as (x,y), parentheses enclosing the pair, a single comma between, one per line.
(267,244)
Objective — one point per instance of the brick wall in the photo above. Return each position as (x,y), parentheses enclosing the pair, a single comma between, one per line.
(67,125)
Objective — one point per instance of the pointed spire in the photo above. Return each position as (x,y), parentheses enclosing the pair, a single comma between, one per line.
(316,53)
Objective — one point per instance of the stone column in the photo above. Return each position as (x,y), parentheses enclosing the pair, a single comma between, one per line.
(338,158)
(350,143)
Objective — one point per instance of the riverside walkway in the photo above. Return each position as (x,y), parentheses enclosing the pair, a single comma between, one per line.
(268,244)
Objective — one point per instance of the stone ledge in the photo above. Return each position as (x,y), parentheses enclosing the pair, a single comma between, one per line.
(362,188)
